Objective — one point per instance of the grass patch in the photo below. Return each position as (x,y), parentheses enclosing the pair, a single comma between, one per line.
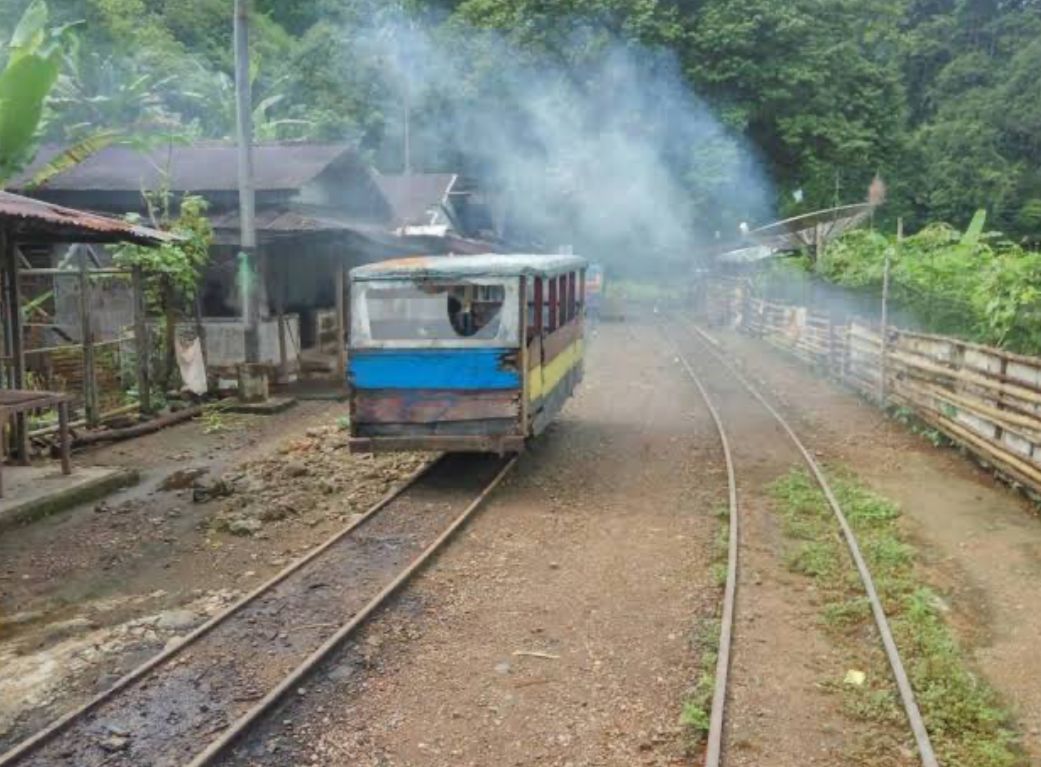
(697,704)
(966,721)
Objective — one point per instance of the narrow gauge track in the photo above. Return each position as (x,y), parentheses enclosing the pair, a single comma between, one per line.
(187,704)
(714,752)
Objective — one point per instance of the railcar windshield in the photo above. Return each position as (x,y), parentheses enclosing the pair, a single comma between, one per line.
(464,313)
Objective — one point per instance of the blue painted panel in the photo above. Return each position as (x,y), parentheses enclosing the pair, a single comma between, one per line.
(431,369)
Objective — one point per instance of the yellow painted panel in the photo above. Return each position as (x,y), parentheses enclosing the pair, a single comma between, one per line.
(544,378)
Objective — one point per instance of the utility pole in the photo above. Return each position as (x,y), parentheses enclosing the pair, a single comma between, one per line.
(247,198)
(408,127)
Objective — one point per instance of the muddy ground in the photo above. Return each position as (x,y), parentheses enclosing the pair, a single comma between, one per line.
(224,502)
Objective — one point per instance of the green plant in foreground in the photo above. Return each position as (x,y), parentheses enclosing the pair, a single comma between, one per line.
(967,723)
(697,707)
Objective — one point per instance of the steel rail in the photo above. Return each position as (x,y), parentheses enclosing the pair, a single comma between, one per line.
(46,735)
(717,716)
(903,683)
(241,725)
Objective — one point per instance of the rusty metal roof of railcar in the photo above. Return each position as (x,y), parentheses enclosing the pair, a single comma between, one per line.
(35,219)
(484,265)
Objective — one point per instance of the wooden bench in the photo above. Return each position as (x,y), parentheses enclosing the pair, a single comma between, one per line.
(18,403)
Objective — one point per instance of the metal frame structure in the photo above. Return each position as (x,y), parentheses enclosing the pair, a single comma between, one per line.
(25,221)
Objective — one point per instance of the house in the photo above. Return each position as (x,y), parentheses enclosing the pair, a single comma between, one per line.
(319,210)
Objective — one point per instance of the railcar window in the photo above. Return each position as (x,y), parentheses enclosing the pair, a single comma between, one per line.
(552,309)
(434,312)
(534,302)
(562,298)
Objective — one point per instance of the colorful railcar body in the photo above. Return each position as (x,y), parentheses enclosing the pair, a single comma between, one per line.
(468,353)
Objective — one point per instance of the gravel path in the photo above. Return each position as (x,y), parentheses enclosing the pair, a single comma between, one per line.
(560,627)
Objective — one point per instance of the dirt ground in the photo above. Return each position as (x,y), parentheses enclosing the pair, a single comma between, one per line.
(224,502)
(980,542)
(559,628)
(782,708)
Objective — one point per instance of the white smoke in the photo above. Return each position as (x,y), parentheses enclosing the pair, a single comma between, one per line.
(609,150)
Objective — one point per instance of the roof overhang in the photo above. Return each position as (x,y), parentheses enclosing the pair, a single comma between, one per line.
(29,220)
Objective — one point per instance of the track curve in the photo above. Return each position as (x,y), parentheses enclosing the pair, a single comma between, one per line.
(714,747)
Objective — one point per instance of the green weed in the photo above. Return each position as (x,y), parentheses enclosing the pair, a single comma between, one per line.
(968,724)
(697,706)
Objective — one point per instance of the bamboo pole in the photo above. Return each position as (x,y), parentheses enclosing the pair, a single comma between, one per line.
(341,330)
(52,272)
(14,318)
(1024,427)
(44,431)
(982,445)
(79,346)
(1012,390)
(884,324)
(90,383)
(141,342)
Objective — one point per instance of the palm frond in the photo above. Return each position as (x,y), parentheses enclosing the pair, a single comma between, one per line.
(73,156)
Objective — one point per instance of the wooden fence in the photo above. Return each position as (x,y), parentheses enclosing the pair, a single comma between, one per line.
(985,399)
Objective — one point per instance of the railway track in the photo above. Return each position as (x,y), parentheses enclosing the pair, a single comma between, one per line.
(715,746)
(190,703)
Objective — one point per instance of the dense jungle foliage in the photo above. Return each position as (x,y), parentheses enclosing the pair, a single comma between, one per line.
(974,285)
(941,97)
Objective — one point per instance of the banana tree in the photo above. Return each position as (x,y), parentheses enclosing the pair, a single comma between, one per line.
(34,58)
(35,55)
(211,96)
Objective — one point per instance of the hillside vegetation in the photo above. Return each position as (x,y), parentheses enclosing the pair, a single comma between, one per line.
(941,97)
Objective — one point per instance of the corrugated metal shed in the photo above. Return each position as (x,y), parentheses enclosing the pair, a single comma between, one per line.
(485,265)
(29,219)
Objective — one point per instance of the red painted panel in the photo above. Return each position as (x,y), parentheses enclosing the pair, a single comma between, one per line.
(433,406)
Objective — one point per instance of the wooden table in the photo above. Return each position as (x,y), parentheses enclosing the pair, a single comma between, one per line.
(18,403)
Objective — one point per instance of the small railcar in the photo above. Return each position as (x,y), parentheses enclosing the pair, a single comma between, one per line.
(462,354)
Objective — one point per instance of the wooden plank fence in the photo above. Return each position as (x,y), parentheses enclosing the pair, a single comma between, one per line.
(984,399)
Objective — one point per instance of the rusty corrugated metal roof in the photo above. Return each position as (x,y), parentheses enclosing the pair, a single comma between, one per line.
(33,219)
(483,265)
(202,167)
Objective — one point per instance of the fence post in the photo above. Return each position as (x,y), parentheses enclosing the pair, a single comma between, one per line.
(141,343)
(834,370)
(884,336)
(90,401)
(341,329)
(13,297)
